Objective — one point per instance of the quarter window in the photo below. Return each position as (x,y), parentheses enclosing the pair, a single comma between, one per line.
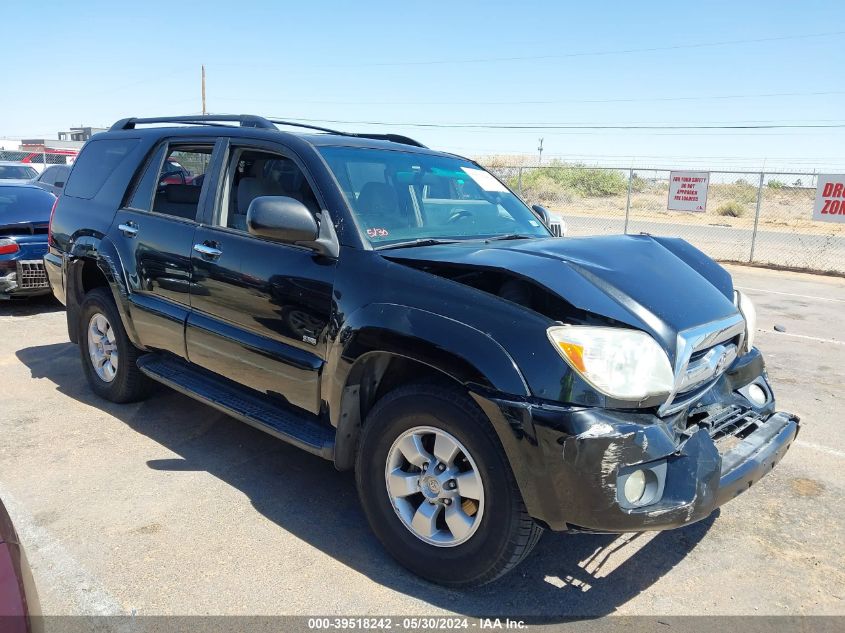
(99,158)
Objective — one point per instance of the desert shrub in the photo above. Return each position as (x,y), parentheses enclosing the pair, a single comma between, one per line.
(544,189)
(731,208)
(576,180)
(741,191)
(775,184)
(639,185)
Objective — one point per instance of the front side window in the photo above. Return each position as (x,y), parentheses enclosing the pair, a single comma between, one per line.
(398,196)
(255,173)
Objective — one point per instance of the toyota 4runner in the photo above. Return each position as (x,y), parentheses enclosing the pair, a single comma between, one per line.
(400,312)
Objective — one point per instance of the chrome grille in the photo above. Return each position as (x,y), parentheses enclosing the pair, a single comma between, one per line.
(702,354)
(32,275)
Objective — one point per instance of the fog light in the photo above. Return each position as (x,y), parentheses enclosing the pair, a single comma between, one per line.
(635,486)
(757,395)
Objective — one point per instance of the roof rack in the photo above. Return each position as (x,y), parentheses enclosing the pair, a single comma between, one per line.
(251,120)
(393,138)
(246,120)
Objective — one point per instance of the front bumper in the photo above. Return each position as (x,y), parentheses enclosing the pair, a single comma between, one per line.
(570,462)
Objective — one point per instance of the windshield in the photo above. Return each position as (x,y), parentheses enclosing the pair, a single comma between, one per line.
(17,172)
(401,196)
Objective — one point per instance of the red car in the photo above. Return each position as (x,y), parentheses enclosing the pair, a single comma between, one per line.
(18,599)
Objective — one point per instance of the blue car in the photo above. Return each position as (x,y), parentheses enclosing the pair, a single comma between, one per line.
(24,222)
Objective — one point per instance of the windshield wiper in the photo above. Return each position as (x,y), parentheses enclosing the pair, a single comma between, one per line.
(420,242)
(510,236)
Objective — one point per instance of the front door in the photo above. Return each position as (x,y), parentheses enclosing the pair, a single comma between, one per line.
(260,308)
(153,233)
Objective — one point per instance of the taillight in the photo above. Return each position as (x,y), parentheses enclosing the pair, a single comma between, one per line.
(50,224)
(7,247)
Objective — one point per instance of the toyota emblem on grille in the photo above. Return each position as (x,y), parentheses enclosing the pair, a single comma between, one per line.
(723,360)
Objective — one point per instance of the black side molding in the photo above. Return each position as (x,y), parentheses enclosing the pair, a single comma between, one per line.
(300,429)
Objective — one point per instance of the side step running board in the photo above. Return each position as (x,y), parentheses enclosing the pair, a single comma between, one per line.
(296,428)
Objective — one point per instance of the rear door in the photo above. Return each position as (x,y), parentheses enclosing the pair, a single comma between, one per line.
(260,308)
(154,232)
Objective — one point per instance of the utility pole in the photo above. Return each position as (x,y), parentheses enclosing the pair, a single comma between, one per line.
(203,88)
(540,149)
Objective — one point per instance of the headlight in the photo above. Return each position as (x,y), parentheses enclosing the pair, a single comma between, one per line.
(623,364)
(746,308)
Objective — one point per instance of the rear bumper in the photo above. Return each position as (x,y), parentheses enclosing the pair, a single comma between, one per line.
(53,265)
(22,273)
(23,278)
(572,463)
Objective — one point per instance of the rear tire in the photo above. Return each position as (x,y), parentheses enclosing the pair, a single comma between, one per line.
(494,533)
(108,356)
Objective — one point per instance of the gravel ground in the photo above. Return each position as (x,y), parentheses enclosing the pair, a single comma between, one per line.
(168,507)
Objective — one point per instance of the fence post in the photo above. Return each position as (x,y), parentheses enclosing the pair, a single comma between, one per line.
(756,217)
(519,181)
(628,201)
(44,157)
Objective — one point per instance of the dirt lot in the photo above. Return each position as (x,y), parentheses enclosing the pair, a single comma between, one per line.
(168,507)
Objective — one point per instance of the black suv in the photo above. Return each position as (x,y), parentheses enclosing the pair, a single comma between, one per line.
(400,312)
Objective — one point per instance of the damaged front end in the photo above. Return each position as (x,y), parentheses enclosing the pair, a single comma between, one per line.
(607,470)
(661,409)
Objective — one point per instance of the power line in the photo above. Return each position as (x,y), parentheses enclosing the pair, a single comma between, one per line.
(765,95)
(579,126)
(520,58)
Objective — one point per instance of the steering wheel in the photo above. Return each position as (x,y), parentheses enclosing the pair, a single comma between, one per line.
(170,174)
(459,214)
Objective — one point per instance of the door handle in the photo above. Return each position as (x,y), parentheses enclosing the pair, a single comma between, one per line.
(208,251)
(129,229)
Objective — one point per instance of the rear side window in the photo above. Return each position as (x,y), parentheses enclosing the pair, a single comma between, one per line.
(179,183)
(48,177)
(99,158)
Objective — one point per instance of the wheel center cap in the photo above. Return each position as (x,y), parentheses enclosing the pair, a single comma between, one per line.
(430,487)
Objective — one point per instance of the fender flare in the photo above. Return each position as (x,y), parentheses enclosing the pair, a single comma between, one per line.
(103,253)
(459,351)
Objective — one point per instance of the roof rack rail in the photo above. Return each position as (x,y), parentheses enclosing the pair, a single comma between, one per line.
(251,120)
(395,138)
(308,126)
(245,120)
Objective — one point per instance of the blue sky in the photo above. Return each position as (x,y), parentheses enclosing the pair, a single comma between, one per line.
(92,63)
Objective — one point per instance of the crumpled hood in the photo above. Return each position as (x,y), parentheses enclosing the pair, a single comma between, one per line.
(660,285)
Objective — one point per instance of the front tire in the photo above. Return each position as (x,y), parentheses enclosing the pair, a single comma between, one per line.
(437,488)
(108,356)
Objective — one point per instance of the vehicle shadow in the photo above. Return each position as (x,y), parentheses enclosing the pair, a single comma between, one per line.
(41,304)
(566,576)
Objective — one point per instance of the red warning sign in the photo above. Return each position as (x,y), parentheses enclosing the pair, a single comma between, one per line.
(830,199)
(688,190)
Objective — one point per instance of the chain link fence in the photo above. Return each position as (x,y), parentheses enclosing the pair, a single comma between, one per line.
(39,158)
(753,217)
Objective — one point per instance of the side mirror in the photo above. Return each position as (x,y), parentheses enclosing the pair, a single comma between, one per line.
(282,219)
(543,213)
